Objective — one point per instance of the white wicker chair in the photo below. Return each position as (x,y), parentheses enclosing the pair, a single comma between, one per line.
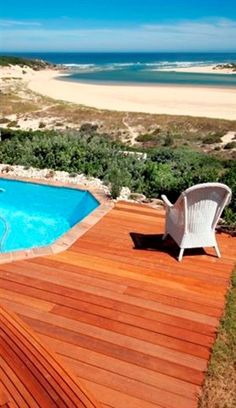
(191,221)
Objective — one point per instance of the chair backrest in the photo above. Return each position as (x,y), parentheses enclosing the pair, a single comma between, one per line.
(203,205)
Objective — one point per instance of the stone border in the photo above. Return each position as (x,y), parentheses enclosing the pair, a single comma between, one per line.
(66,240)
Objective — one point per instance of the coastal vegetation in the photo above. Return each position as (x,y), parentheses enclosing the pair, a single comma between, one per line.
(35,64)
(203,134)
(164,170)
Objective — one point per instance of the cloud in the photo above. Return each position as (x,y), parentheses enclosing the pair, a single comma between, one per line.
(17,23)
(219,28)
(214,35)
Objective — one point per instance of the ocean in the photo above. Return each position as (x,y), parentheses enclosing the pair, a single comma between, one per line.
(140,68)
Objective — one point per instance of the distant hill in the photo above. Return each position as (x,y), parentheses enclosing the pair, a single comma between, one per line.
(35,64)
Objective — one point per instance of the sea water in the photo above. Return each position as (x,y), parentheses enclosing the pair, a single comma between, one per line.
(141,68)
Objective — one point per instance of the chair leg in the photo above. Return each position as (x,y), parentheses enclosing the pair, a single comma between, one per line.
(217,250)
(164,236)
(181,252)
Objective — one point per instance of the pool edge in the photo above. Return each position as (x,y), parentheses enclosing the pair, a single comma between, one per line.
(74,233)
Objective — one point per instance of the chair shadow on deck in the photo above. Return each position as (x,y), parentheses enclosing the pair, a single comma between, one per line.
(154,242)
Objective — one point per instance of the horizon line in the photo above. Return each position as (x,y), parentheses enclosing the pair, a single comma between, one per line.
(122,52)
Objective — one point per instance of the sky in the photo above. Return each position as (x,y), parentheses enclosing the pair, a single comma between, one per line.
(118,25)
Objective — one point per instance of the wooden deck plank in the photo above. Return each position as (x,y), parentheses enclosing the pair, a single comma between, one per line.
(148,255)
(118,399)
(114,365)
(40,304)
(202,334)
(164,334)
(132,331)
(134,325)
(35,378)
(171,299)
(112,247)
(103,263)
(190,317)
(185,366)
(13,386)
(203,276)
(144,329)
(208,306)
(129,386)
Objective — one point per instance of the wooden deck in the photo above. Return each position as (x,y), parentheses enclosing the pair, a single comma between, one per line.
(31,376)
(134,325)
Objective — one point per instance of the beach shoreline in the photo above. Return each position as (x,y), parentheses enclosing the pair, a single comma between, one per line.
(190,100)
(212,102)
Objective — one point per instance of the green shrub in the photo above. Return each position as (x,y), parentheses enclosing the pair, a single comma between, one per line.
(13,123)
(115,179)
(230,145)
(115,189)
(229,178)
(146,137)
(88,128)
(230,217)
(169,140)
(4,120)
(212,138)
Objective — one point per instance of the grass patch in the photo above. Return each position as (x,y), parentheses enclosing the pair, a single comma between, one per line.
(12,104)
(219,390)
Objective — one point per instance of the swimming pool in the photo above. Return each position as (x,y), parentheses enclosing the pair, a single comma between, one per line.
(35,215)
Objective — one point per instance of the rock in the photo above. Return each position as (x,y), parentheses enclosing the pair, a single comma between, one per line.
(50,174)
(7,169)
(156,203)
(124,194)
(138,197)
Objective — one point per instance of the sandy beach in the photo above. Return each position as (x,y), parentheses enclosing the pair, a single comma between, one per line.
(209,102)
(212,102)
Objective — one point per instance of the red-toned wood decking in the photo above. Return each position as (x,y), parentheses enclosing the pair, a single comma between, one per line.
(30,375)
(134,325)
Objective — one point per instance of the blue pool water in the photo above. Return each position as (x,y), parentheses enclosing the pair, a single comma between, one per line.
(34,215)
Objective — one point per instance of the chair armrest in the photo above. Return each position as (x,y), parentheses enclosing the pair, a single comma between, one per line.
(167,203)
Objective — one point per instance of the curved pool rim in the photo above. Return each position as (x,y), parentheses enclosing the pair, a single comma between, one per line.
(73,234)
